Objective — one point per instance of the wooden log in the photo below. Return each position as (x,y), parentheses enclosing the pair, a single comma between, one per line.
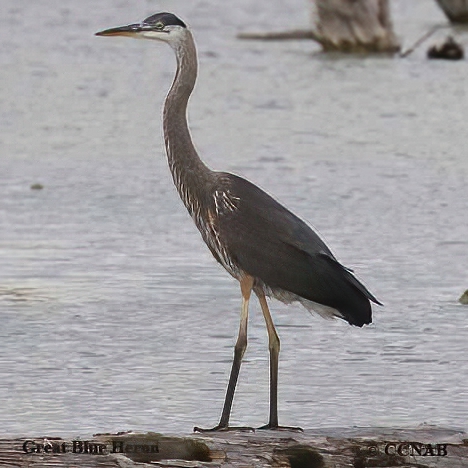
(426,446)
(455,10)
(295,34)
(345,26)
(355,26)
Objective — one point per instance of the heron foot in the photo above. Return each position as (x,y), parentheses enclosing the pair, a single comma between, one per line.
(220,428)
(275,427)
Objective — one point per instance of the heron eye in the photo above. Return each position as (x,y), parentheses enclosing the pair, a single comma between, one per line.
(159,25)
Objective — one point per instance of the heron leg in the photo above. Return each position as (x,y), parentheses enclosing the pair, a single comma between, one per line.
(274,348)
(246,284)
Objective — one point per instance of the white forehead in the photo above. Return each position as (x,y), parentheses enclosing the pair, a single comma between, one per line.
(172,34)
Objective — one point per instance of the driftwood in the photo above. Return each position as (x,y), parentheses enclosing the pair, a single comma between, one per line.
(346,26)
(456,10)
(423,38)
(356,25)
(426,446)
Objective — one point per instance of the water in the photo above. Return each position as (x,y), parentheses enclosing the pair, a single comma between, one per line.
(115,316)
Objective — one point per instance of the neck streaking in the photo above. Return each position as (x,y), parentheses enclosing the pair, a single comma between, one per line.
(189,173)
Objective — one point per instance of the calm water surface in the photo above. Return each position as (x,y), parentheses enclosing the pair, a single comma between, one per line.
(114,315)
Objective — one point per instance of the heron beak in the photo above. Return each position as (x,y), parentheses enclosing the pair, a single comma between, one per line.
(131,30)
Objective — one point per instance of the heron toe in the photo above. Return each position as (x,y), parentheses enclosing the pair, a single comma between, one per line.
(220,428)
(271,427)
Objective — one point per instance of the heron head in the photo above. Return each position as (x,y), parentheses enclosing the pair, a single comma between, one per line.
(164,27)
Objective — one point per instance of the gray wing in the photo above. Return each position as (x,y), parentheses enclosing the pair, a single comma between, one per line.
(270,243)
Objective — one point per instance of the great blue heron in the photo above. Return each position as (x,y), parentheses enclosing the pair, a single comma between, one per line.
(259,242)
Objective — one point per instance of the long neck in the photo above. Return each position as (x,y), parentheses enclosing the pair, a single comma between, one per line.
(189,173)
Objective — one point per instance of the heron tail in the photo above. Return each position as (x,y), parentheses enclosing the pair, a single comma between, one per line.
(349,296)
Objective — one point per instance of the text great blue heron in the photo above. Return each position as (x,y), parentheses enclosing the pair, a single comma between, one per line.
(264,246)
